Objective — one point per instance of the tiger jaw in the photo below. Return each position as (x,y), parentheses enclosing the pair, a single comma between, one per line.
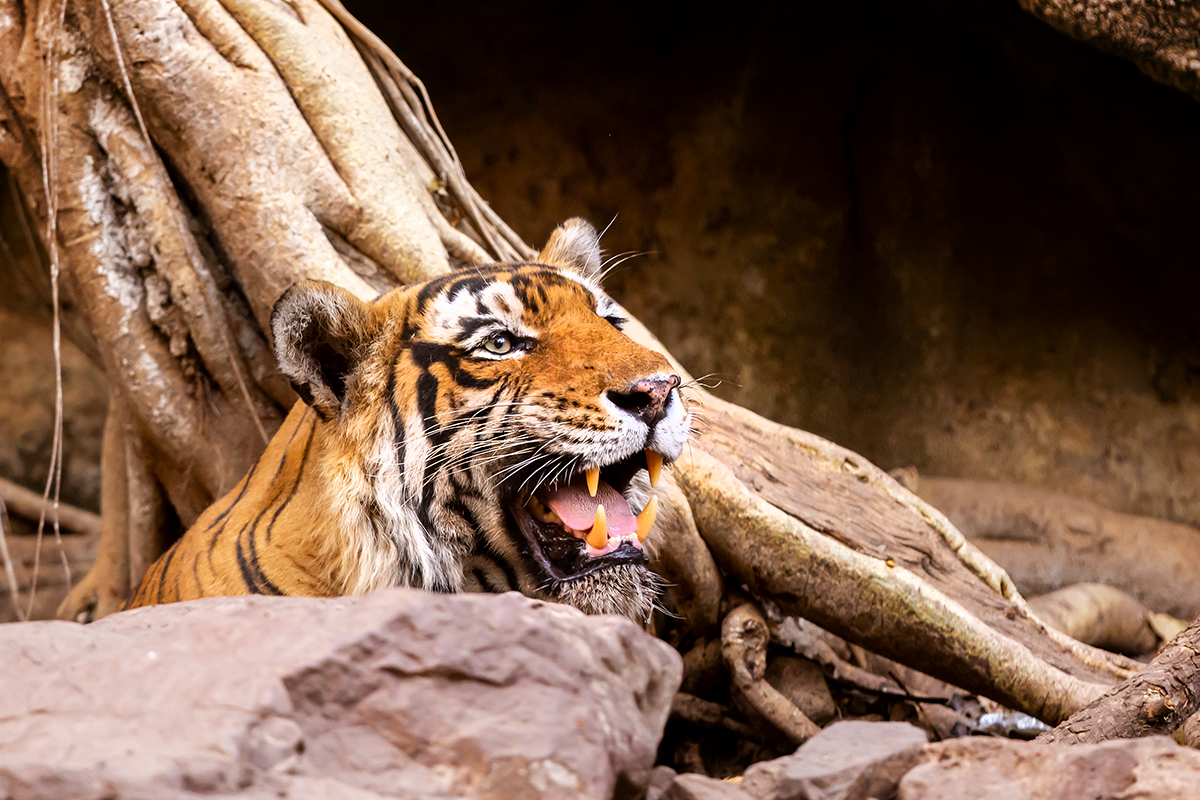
(598,536)
(586,523)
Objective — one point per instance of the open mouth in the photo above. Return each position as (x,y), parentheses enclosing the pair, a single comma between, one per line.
(585,523)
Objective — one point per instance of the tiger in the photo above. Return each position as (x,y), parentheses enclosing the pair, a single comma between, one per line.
(491,429)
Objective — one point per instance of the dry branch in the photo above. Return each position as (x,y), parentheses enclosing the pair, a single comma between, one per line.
(1156,700)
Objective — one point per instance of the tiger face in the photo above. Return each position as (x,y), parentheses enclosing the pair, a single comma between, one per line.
(488,430)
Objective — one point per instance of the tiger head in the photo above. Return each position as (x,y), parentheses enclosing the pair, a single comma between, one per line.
(490,429)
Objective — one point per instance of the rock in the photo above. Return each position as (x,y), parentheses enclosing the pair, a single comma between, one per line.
(660,779)
(701,787)
(399,694)
(802,682)
(840,758)
(1155,768)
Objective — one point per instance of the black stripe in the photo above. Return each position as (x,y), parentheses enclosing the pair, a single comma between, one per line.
(196,575)
(397,421)
(484,550)
(166,565)
(427,387)
(299,477)
(255,579)
(230,507)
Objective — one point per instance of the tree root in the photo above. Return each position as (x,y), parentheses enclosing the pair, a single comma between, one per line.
(1099,615)
(29,504)
(1047,541)
(1156,700)
(682,558)
(744,638)
(706,714)
(841,495)
(885,608)
(107,583)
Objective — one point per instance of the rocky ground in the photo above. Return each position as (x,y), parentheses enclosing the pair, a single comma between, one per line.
(421,696)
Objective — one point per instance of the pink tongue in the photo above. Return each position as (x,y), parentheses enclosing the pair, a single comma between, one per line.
(577,508)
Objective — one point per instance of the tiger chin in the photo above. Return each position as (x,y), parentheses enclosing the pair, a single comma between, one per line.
(488,430)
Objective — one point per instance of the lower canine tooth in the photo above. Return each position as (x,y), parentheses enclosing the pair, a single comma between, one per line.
(654,461)
(645,520)
(598,536)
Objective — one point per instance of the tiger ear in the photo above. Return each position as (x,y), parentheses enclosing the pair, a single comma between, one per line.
(573,245)
(321,335)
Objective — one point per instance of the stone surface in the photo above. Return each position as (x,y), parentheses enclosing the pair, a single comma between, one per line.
(832,762)
(1155,768)
(400,694)
(701,787)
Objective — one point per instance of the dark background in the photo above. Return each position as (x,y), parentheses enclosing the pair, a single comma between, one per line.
(941,234)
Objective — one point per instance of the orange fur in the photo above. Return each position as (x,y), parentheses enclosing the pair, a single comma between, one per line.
(324,510)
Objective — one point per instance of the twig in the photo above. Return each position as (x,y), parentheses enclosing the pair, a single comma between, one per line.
(49,122)
(9,572)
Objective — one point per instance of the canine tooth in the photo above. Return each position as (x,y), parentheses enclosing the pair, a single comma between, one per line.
(654,466)
(645,520)
(598,536)
(593,480)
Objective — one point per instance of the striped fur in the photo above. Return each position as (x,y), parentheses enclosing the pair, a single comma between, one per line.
(415,439)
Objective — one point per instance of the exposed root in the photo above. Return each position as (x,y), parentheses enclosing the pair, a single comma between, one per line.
(838,493)
(744,638)
(685,563)
(107,583)
(1047,541)
(31,505)
(706,714)
(10,573)
(1099,615)
(887,609)
(1156,700)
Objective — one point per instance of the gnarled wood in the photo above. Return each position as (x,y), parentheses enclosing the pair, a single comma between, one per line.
(1156,700)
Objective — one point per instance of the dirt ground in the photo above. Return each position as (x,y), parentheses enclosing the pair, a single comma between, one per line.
(944,237)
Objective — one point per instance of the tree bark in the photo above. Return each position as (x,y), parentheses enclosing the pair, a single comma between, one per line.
(185,162)
(1156,700)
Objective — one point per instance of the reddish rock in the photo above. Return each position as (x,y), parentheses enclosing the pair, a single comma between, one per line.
(836,761)
(1155,768)
(400,694)
(701,787)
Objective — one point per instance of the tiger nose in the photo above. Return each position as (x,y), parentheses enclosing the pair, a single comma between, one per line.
(645,399)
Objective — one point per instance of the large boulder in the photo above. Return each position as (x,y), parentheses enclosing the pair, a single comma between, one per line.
(399,694)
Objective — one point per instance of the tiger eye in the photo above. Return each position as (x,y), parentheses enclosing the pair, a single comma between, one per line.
(500,344)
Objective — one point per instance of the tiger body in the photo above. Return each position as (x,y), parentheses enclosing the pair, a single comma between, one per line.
(452,435)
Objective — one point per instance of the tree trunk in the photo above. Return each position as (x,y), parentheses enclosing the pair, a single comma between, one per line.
(183,163)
